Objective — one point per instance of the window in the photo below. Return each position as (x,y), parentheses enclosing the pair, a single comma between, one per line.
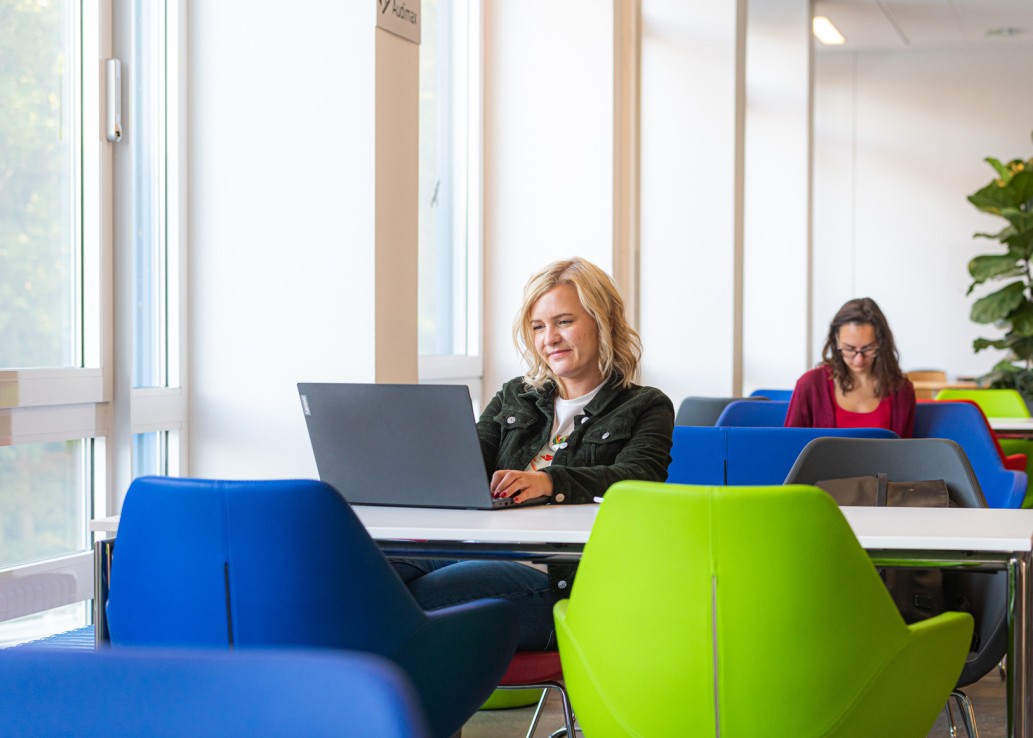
(48,329)
(449,191)
(73,429)
(149,180)
(39,200)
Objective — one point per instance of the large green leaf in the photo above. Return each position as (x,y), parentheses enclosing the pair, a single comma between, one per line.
(1001,235)
(1021,220)
(984,343)
(983,268)
(1020,245)
(1020,346)
(1021,187)
(1022,320)
(998,305)
(1002,170)
(1004,193)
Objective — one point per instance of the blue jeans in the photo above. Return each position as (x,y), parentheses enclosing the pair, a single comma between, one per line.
(437,583)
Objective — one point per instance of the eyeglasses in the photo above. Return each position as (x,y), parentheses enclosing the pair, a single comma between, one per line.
(850,353)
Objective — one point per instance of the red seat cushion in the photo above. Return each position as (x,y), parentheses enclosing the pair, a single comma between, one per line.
(532,667)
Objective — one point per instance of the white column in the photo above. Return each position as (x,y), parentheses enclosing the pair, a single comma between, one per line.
(777,243)
(691,221)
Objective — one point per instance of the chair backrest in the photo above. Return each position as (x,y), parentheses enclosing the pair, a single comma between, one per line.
(964,424)
(734,455)
(992,436)
(754,414)
(718,638)
(765,455)
(698,455)
(781,395)
(258,564)
(901,460)
(143,692)
(220,563)
(703,410)
(995,403)
(912,459)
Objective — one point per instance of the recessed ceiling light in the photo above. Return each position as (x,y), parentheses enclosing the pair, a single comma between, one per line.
(826,32)
(1005,31)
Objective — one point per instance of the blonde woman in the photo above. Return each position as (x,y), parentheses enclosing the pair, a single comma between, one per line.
(565,431)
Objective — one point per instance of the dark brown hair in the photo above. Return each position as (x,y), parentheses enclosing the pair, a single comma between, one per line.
(885,366)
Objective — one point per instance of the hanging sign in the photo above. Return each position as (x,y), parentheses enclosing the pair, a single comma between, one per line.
(400,17)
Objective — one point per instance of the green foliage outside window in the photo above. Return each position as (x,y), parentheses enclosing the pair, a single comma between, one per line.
(38,253)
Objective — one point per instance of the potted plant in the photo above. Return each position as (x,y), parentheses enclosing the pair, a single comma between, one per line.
(1010,196)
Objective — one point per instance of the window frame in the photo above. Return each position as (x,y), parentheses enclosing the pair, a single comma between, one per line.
(467,367)
(95,402)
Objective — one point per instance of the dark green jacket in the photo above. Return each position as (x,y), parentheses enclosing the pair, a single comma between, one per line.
(623,434)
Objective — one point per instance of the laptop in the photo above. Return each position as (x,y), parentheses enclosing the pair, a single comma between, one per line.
(413,445)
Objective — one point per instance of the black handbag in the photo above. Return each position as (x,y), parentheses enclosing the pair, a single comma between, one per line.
(918,593)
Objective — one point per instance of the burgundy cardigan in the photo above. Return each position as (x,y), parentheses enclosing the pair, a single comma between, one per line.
(813,404)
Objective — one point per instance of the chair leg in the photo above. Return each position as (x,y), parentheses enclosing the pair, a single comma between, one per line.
(568,728)
(968,715)
(537,713)
(952,728)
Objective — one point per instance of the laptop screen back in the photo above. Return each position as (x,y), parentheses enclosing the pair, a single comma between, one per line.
(397,444)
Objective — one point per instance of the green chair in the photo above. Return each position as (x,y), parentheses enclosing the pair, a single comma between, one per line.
(995,403)
(744,611)
(1001,403)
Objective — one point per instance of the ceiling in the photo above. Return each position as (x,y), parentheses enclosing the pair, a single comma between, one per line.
(905,24)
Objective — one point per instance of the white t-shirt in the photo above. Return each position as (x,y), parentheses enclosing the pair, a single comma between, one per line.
(562,426)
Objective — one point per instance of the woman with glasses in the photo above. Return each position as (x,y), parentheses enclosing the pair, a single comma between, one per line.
(859,383)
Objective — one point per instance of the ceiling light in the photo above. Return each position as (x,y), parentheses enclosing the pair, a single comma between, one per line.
(827,33)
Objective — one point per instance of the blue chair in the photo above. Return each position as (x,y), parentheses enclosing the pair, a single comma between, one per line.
(755,414)
(698,455)
(259,564)
(781,395)
(139,692)
(764,456)
(746,456)
(964,424)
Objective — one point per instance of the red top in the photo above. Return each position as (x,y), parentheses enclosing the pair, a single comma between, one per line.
(877,418)
(813,405)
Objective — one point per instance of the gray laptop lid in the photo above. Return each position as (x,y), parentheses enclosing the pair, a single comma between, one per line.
(397,444)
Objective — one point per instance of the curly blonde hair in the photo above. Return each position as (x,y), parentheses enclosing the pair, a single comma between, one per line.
(619,346)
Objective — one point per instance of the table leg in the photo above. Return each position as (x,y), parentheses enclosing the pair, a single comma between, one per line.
(101,577)
(1020,665)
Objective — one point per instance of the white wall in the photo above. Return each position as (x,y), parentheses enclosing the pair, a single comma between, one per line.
(281,199)
(282,223)
(548,162)
(900,139)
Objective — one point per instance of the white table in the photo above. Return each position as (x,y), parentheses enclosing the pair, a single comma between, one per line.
(970,538)
(1012,427)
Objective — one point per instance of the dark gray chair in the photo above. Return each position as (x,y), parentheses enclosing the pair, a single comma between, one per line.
(910,460)
(704,410)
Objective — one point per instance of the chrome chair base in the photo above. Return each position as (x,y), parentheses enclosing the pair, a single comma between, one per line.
(568,713)
(968,715)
